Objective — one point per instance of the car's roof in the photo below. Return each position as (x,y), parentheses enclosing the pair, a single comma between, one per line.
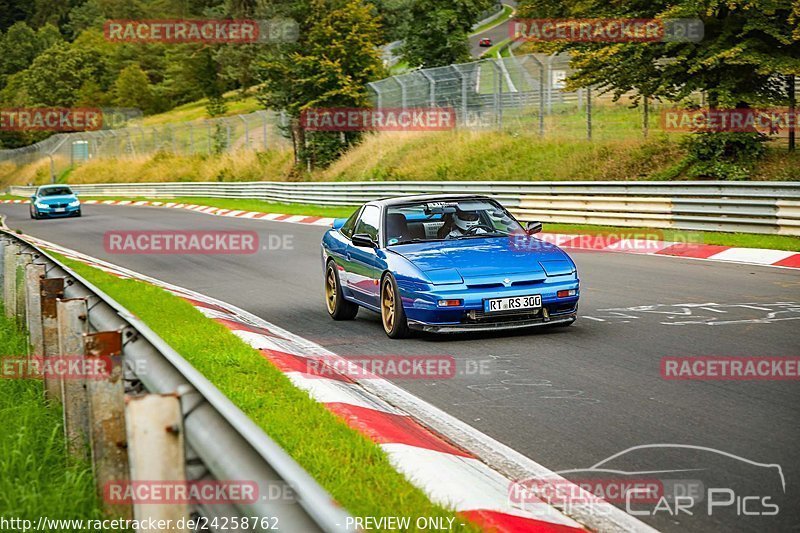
(397,200)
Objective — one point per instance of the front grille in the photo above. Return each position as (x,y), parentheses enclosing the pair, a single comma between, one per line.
(479,316)
(57,206)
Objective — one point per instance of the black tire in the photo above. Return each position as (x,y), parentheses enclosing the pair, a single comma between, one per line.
(393,316)
(34,215)
(338,308)
(78,214)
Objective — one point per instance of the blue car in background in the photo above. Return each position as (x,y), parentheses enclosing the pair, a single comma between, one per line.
(446,264)
(54,201)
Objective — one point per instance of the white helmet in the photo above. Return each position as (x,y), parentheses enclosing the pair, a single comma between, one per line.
(465,220)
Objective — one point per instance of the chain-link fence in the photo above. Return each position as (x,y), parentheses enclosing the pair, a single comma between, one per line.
(526,91)
(261,130)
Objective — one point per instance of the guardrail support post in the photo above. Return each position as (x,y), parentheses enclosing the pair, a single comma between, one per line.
(34,272)
(23,260)
(72,326)
(156,451)
(9,278)
(51,289)
(107,419)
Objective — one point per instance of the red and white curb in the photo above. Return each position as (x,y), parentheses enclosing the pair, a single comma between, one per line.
(453,463)
(596,243)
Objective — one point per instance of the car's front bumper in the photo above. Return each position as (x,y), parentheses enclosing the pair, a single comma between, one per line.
(465,327)
(51,212)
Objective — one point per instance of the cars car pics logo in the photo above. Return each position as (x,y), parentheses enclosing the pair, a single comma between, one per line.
(181,242)
(606,30)
(379,119)
(687,485)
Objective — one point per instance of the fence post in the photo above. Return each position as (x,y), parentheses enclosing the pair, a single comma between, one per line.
(156,451)
(10,278)
(432,88)
(106,398)
(34,272)
(23,260)
(646,117)
(50,291)
(72,326)
(792,106)
(589,113)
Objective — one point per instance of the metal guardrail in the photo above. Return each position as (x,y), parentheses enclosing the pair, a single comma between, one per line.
(751,207)
(226,442)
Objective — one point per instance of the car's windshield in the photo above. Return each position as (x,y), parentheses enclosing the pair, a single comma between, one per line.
(55,191)
(450,219)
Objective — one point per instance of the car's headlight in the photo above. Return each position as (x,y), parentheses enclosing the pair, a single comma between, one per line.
(75,203)
(40,205)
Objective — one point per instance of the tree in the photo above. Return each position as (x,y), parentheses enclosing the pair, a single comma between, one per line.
(439,29)
(132,89)
(745,46)
(18,48)
(330,66)
(86,15)
(56,75)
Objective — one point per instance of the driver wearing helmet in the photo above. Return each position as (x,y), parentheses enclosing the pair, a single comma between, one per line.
(465,223)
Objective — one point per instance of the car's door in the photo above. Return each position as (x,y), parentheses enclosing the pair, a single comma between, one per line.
(362,275)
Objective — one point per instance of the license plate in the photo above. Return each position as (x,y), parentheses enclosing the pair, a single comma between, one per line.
(60,209)
(513,303)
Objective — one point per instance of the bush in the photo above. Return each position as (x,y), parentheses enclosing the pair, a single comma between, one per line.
(725,155)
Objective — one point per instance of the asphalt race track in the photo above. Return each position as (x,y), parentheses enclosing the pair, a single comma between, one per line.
(567,398)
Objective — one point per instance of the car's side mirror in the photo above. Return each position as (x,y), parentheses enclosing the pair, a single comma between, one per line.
(532,228)
(338,222)
(362,240)
(33,198)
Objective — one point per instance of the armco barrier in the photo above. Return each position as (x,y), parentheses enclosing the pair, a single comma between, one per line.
(751,207)
(221,442)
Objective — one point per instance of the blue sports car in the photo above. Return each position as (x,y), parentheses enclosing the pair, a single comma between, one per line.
(55,201)
(446,264)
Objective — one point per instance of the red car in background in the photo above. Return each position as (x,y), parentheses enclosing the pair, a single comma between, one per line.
(485,42)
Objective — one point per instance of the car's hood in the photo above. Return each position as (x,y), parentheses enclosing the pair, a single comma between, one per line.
(60,199)
(481,257)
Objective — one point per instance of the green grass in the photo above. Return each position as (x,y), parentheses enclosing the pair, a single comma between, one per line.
(236,105)
(247,204)
(36,478)
(508,11)
(354,470)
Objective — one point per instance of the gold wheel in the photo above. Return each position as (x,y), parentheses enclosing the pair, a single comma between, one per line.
(330,290)
(387,306)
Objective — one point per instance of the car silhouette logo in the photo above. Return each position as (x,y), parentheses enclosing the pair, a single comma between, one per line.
(507,282)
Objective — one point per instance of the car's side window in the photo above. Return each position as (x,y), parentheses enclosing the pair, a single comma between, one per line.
(368,223)
(348,227)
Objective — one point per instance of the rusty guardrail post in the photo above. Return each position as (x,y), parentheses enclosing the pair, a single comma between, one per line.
(107,418)
(72,326)
(33,302)
(23,260)
(51,289)
(156,451)
(9,278)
